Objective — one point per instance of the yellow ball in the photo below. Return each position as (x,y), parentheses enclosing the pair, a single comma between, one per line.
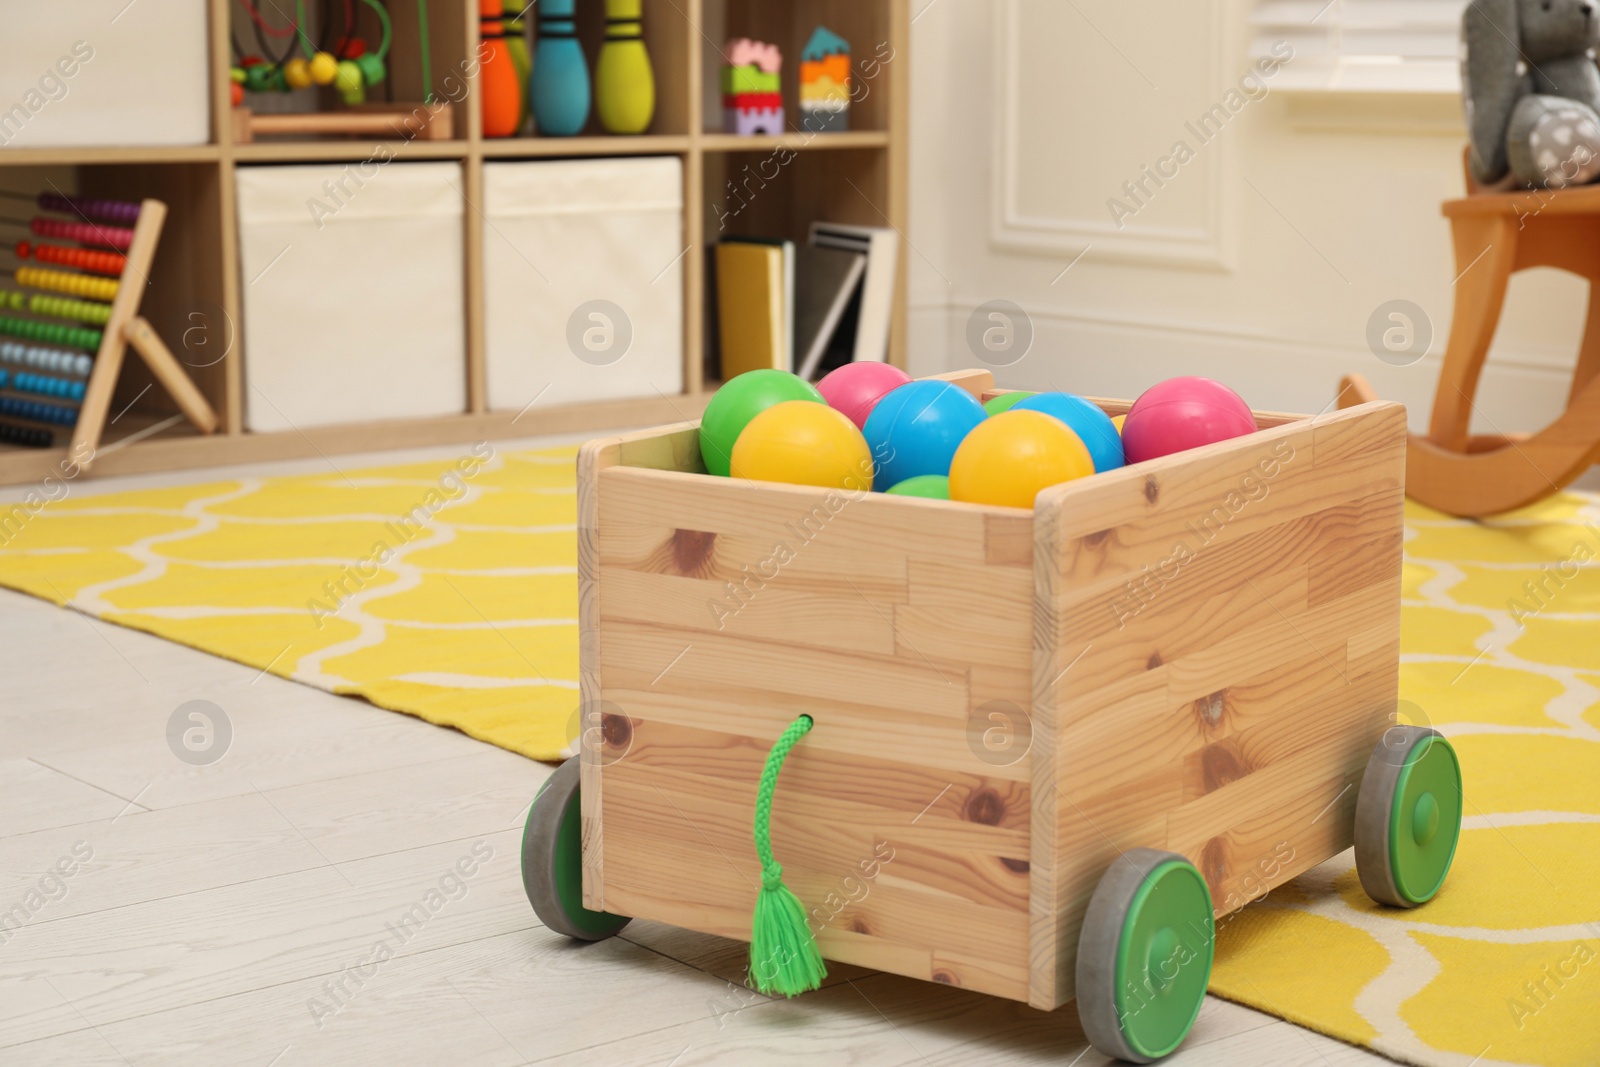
(323,68)
(803,443)
(297,73)
(1010,457)
(1118,420)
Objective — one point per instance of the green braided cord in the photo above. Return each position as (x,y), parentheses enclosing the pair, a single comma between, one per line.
(427,60)
(784,957)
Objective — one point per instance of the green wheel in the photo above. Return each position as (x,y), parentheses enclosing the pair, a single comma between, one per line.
(552,861)
(1144,956)
(1408,816)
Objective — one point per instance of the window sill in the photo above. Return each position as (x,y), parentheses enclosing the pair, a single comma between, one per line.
(1331,109)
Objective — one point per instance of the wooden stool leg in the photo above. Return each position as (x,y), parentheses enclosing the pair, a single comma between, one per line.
(170,373)
(1486,252)
(1589,355)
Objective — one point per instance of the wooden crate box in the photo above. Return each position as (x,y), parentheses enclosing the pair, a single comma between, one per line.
(1195,654)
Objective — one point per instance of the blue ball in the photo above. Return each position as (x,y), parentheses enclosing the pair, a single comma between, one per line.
(916,429)
(1093,426)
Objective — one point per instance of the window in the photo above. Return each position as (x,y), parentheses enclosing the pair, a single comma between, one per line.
(1375,46)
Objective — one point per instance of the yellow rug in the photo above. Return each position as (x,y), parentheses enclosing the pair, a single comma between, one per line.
(446,590)
(465,613)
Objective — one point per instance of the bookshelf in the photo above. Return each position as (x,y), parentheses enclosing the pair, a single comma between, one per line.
(196,300)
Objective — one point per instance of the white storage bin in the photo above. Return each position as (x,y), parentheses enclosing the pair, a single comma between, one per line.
(104,72)
(583,280)
(353,306)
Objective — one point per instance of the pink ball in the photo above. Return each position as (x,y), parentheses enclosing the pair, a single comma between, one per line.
(854,389)
(1183,413)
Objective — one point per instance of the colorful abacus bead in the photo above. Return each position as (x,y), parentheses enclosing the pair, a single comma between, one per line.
(59,307)
(87,233)
(34,411)
(26,436)
(120,212)
(62,282)
(90,259)
(50,333)
(27,382)
(57,360)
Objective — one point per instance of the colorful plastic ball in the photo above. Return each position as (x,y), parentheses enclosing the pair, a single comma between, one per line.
(1011,458)
(297,73)
(1005,401)
(236,93)
(324,68)
(347,81)
(372,72)
(803,443)
(1117,421)
(236,75)
(257,77)
(741,400)
(927,486)
(917,428)
(1093,426)
(854,389)
(1183,413)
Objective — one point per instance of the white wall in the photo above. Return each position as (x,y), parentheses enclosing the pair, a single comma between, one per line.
(1259,264)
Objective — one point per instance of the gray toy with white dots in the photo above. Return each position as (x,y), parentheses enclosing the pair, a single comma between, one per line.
(1532,91)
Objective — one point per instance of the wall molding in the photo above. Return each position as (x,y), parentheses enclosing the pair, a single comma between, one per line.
(1204,248)
(1540,359)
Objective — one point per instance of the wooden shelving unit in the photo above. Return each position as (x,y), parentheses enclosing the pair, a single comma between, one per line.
(195,297)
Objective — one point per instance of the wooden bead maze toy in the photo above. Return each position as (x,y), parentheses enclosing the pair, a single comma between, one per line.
(344,64)
(49,381)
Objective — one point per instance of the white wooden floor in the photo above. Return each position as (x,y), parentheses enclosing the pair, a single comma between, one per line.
(230,914)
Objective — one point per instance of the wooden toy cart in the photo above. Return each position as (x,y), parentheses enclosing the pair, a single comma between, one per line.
(1050,747)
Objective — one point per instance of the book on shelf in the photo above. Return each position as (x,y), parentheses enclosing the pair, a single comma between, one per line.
(805,309)
(875,312)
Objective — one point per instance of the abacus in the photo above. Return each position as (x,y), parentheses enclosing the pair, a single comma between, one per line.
(48,378)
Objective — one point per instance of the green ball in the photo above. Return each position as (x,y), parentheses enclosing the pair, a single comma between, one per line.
(928,486)
(256,77)
(741,400)
(1005,402)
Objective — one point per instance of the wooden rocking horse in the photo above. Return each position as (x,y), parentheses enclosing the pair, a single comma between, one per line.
(1498,233)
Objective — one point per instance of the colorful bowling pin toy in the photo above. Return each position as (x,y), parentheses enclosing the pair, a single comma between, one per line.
(517,41)
(560,85)
(497,75)
(625,87)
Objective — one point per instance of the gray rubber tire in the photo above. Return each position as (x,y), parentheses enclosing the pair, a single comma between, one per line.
(1099,943)
(552,863)
(1375,811)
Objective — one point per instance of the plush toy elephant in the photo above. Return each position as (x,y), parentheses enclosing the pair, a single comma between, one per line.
(1532,90)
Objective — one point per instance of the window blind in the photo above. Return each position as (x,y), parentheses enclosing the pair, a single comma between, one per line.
(1363,45)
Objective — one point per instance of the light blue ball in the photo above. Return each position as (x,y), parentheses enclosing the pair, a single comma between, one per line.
(1093,426)
(916,429)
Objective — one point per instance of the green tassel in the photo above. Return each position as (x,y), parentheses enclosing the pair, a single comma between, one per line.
(784,957)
